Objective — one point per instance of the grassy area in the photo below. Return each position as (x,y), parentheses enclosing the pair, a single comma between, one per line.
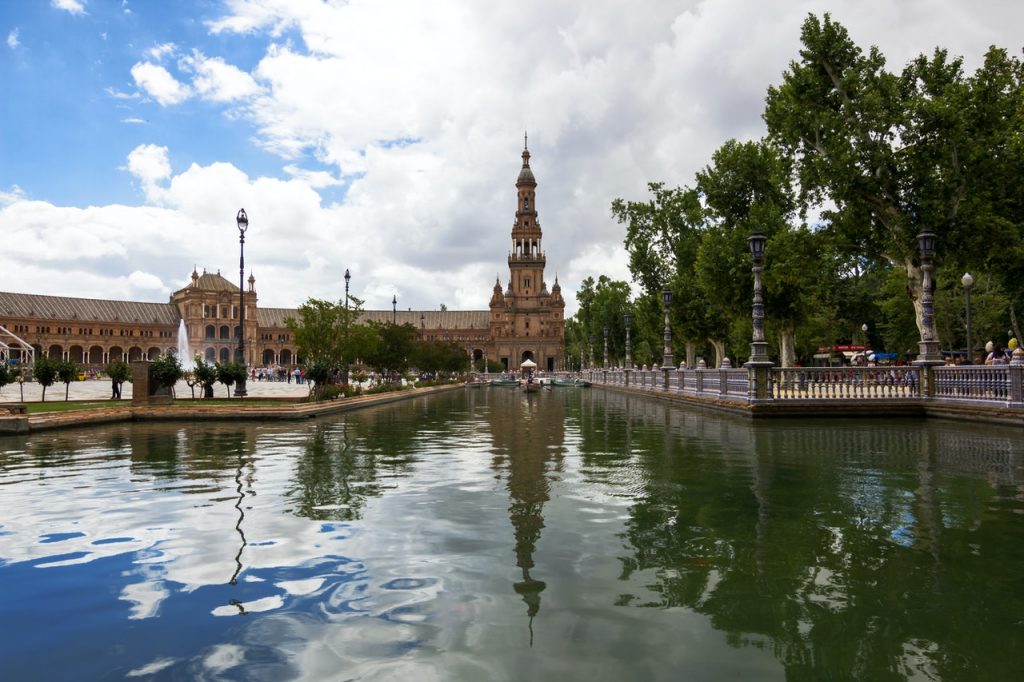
(65,406)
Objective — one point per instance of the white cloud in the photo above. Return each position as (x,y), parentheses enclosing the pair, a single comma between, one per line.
(150,165)
(218,81)
(412,114)
(160,84)
(117,94)
(9,197)
(315,179)
(158,52)
(12,38)
(71,6)
(133,120)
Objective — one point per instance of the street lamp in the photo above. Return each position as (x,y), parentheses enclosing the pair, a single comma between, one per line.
(864,328)
(968,282)
(928,346)
(243,224)
(394,309)
(344,361)
(628,319)
(666,361)
(591,337)
(606,347)
(758,346)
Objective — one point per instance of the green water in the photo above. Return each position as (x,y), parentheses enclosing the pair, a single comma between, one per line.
(488,534)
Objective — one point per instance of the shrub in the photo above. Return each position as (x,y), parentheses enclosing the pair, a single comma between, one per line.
(45,372)
(330,392)
(166,371)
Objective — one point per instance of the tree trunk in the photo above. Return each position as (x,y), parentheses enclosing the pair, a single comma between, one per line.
(719,347)
(787,347)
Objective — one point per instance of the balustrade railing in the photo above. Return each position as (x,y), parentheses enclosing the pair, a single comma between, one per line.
(1002,385)
(979,382)
(828,383)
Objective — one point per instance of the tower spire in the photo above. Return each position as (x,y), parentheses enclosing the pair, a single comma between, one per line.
(525,146)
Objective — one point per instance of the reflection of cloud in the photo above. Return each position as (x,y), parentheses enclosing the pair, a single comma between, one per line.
(151,668)
(145,598)
(255,606)
(223,657)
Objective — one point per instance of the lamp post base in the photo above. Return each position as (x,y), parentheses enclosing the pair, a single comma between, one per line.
(240,391)
(758,354)
(928,353)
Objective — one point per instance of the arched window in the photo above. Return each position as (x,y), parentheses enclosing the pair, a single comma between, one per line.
(225,332)
(225,355)
(211,331)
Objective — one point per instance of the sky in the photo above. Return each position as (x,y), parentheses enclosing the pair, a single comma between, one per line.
(383,136)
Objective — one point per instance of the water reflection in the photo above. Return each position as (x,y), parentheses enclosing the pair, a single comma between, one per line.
(527,448)
(430,538)
(833,546)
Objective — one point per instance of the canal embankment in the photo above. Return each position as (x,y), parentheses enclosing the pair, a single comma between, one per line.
(14,421)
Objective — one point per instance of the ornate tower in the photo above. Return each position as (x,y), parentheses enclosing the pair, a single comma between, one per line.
(527,320)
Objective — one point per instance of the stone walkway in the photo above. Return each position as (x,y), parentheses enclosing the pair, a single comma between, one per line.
(100,390)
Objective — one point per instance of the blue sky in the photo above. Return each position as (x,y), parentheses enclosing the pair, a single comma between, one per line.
(72,124)
(382,136)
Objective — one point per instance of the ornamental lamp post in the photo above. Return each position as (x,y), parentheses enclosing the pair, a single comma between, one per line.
(759,363)
(347,278)
(591,338)
(394,309)
(864,328)
(968,282)
(666,356)
(928,346)
(666,360)
(344,363)
(628,319)
(758,346)
(606,347)
(243,224)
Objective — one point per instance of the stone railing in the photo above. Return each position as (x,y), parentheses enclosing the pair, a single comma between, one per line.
(827,383)
(1002,385)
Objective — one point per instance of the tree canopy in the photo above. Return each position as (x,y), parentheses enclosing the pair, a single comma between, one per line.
(857,161)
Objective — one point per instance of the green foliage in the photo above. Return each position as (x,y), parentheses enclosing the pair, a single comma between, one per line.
(119,371)
(387,388)
(439,356)
(206,375)
(45,372)
(328,334)
(330,392)
(166,370)
(230,373)
(876,157)
(5,374)
(396,344)
(67,371)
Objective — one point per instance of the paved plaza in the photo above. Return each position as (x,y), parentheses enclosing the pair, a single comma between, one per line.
(99,389)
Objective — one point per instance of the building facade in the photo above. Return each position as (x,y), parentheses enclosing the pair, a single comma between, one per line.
(524,321)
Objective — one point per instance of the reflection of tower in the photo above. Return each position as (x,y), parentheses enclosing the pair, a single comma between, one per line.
(528,439)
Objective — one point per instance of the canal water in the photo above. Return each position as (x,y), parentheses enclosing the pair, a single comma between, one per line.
(489,534)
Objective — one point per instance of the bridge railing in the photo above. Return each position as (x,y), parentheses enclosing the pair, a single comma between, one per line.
(831,383)
(1001,384)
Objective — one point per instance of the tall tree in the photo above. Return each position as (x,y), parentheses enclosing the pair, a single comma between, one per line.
(887,156)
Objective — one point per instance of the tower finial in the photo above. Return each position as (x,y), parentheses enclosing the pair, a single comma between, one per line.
(525,146)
